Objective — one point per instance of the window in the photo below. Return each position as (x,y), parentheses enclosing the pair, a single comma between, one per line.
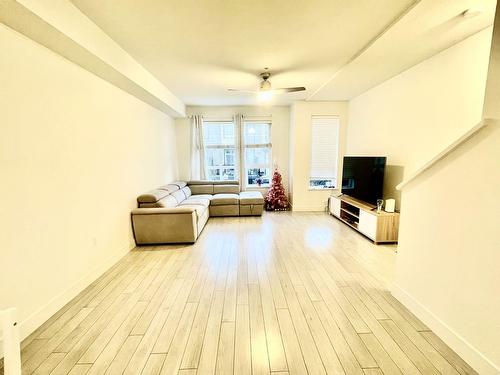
(257,153)
(222,156)
(220,150)
(324,152)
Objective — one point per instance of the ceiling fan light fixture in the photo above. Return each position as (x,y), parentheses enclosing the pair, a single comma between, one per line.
(265,96)
(265,85)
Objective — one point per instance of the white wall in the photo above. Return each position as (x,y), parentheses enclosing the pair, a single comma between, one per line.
(414,115)
(75,152)
(280,116)
(63,28)
(303,198)
(447,266)
(449,250)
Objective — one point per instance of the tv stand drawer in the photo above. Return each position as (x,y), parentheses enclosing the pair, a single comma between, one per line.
(368,224)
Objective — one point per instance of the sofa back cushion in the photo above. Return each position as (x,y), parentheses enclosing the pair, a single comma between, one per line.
(180,184)
(214,187)
(226,182)
(179,196)
(168,201)
(152,196)
(187,191)
(169,195)
(202,189)
(226,189)
(170,188)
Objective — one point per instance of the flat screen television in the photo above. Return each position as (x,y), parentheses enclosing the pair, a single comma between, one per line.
(363,177)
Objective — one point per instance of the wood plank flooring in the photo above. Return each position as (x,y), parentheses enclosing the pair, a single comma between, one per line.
(285,294)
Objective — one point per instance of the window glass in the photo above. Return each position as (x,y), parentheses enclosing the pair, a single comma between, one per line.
(257,153)
(220,150)
(257,133)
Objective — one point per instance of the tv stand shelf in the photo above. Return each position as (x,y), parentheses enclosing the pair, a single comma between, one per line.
(379,227)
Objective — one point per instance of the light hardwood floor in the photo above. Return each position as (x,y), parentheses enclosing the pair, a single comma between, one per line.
(288,293)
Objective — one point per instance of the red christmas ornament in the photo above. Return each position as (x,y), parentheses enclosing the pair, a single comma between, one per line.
(276,199)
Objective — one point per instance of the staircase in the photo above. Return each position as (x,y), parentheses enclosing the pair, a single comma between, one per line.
(449,240)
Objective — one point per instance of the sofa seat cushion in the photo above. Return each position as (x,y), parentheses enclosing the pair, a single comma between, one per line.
(224,199)
(202,196)
(251,197)
(195,201)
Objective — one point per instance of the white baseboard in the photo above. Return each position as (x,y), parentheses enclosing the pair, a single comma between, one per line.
(454,340)
(316,208)
(35,320)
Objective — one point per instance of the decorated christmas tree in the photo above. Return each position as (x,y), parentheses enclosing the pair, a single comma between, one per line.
(276,199)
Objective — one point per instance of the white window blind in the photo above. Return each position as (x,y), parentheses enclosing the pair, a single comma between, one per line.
(324,152)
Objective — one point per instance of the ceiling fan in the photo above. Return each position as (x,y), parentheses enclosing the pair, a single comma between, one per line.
(265,90)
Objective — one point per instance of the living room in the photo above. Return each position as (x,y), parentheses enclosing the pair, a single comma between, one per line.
(142,139)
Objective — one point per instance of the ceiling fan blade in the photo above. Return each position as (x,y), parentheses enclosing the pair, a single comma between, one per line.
(273,91)
(289,89)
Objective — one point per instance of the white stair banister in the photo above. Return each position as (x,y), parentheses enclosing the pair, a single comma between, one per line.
(452,146)
(11,344)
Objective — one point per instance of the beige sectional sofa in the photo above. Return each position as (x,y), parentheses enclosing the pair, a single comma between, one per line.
(178,212)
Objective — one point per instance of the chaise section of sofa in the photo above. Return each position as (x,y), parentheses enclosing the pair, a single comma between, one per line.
(177,212)
(169,215)
(224,196)
(167,225)
(251,203)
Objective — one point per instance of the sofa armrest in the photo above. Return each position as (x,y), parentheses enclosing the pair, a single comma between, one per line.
(164,225)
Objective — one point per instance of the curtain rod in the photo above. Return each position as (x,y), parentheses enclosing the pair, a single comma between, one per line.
(230,118)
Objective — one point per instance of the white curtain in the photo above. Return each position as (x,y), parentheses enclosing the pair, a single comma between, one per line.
(240,149)
(197,149)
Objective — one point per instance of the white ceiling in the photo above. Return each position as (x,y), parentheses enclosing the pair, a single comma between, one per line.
(199,49)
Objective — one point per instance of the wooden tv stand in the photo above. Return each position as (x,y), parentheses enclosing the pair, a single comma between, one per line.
(359,215)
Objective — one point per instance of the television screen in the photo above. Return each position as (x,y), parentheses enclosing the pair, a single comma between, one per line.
(363,177)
